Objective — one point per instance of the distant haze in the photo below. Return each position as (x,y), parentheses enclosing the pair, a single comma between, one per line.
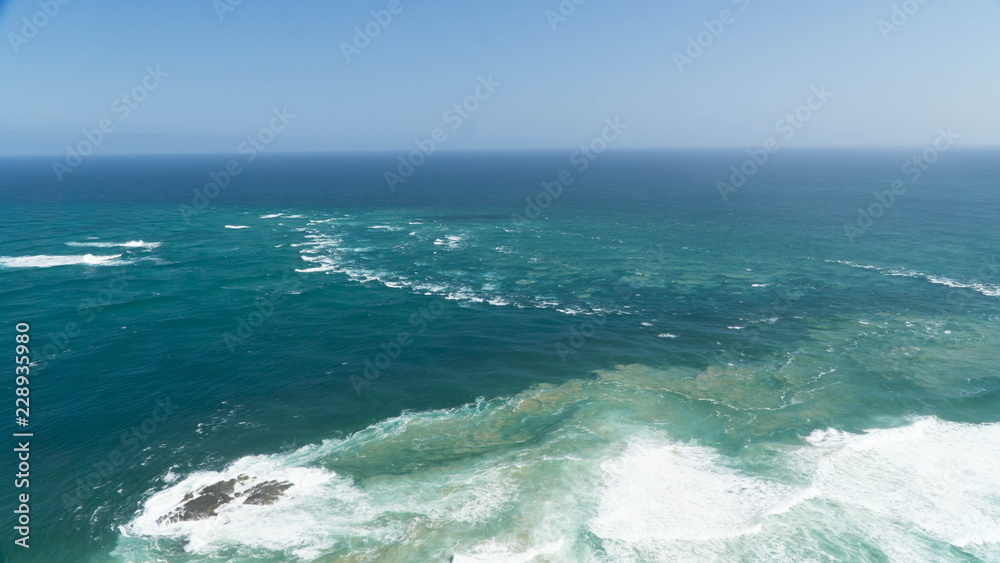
(525,74)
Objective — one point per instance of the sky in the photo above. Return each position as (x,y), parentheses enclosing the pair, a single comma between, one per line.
(216,71)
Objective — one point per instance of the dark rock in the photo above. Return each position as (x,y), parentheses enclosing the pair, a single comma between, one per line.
(204,502)
(267,492)
(203,505)
(220,488)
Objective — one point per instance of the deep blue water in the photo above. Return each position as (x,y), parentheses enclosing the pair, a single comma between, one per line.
(640,372)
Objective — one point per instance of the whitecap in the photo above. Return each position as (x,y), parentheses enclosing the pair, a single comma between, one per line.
(286,524)
(449,241)
(658,494)
(44,261)
(985,289)
(496,552)
(634,494)
(130,244)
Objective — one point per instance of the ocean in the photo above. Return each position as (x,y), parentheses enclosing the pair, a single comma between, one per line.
(509,356)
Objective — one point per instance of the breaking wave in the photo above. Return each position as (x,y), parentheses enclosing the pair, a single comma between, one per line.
(985,289)
(44,261)
(570,473)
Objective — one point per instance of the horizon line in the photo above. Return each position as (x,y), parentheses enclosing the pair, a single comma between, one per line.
(336,152)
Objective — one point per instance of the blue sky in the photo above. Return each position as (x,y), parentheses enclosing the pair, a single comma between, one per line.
(557,86)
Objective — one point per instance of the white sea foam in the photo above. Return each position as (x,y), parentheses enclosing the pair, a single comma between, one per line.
(170,476)
(912,492)
(496,552)
(44,261)
(293,523)
(272,216)
(130,244)
(985,289)
(237,227)
(449,241)
(656,494)
(935,476)
(322,509)
(890,488)
(464,294)
(327,254)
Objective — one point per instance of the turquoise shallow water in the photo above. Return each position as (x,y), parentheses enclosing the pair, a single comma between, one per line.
(641,373)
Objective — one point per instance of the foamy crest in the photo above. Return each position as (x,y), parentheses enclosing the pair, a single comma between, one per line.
(44,261)
(916,492)
(985,289)
(322,512)
(496,552)
(935,476)
(326,254)
(130,244)
(478,484)
(296,523)
(449,241)
(660,494)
